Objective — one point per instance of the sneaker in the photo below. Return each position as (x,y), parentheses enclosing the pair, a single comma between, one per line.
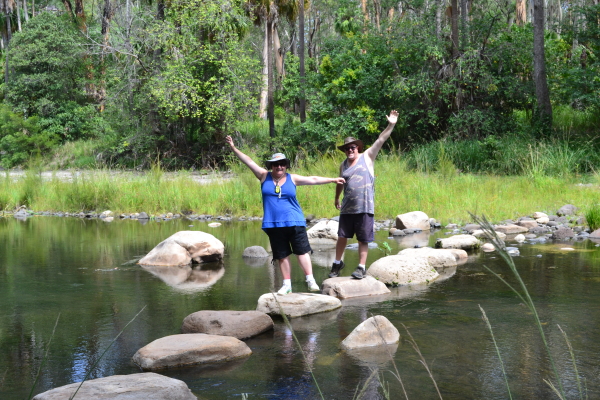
(359,273)
(335,269)
(285,289)
(312,286)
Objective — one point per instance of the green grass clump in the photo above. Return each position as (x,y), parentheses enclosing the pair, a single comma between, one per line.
(592,216)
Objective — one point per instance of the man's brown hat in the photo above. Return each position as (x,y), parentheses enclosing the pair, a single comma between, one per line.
(351,140)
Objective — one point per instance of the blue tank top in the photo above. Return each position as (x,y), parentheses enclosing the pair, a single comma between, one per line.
(284,211)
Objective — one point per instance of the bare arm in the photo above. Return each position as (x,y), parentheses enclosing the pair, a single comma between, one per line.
(259,172)
(338,192)
(300,180)
(372,151)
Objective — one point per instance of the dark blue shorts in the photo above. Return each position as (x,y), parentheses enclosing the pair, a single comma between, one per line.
(287,240)
(361,225)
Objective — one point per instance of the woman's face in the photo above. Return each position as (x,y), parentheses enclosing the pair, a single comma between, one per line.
(279,167)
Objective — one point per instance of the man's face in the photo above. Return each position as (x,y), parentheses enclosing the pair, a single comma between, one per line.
(351,151)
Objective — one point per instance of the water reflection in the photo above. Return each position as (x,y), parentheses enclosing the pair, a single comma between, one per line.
(186,278)
(420,239)
(56,265)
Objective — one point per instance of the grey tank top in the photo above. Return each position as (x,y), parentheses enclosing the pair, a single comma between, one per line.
(359,190)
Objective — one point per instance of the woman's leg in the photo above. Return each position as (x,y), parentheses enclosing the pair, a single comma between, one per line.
(285,267)
(305,263)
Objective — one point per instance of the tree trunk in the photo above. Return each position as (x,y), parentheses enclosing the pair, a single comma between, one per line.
(454,27)
(18,15)
(438,19)
(301,100)
(279,53)
(264,93)
(68,7)
(377,7)
(521,14)
(464,24)
(25,10)
(107,14)
(365,12)
(542,94)
(270,100)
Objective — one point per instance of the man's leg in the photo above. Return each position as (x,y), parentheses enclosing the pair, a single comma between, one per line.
(338,264)
(363,251)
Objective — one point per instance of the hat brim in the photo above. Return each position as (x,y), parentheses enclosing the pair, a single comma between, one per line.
(359,143)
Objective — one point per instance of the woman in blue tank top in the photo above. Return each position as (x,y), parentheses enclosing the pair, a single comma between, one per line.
(283,219)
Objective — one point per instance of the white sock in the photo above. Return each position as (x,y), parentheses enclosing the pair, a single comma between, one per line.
(310,278)
(337,261)
(361,266)
(287,282)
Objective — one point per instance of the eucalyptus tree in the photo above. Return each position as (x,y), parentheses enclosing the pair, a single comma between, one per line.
(267,14)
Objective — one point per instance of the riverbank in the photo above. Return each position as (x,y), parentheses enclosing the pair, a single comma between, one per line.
(447,197)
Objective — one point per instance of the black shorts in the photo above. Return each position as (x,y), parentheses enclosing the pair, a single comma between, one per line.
(361,225)
(287,240)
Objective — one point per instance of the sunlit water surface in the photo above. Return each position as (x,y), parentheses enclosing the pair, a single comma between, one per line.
(82,273)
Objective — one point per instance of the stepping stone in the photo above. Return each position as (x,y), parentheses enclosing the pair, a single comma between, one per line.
(297,304)
(239,324)
(189,349)
(464,242)
(402,270)
(346,287)
(143,386)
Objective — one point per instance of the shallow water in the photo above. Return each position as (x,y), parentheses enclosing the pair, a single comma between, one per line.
(83,272)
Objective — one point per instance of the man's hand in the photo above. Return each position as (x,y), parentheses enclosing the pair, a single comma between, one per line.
(393,117)
(337,204)
(229,141)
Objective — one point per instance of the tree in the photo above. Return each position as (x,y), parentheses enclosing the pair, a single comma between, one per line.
(542,94)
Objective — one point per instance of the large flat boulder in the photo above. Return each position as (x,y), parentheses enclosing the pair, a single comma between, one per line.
(189,349)
(402,270)
(185,247)
(323,234)
(464,242)
(480,233)
(413,220)
(437,258)
(142,386)
(297,304)
(346,287)
(375,331)
(511,229)
(239,324)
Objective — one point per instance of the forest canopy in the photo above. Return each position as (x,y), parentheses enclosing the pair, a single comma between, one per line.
(147,80)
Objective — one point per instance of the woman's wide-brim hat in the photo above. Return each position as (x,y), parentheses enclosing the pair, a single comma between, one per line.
(275,158)
(351,140)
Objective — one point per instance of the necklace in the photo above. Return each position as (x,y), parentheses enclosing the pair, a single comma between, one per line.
(277,187)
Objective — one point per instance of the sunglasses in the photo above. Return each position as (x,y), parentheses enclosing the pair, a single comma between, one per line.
(351,148)
(279,164)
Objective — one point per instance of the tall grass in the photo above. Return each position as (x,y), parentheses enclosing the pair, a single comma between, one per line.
(443,196)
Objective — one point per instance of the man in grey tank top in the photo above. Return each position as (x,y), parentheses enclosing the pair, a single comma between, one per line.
(358,205)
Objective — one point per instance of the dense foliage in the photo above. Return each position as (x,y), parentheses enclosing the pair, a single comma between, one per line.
(167,80)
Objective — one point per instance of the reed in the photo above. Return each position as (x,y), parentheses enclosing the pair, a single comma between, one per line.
(592,216)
